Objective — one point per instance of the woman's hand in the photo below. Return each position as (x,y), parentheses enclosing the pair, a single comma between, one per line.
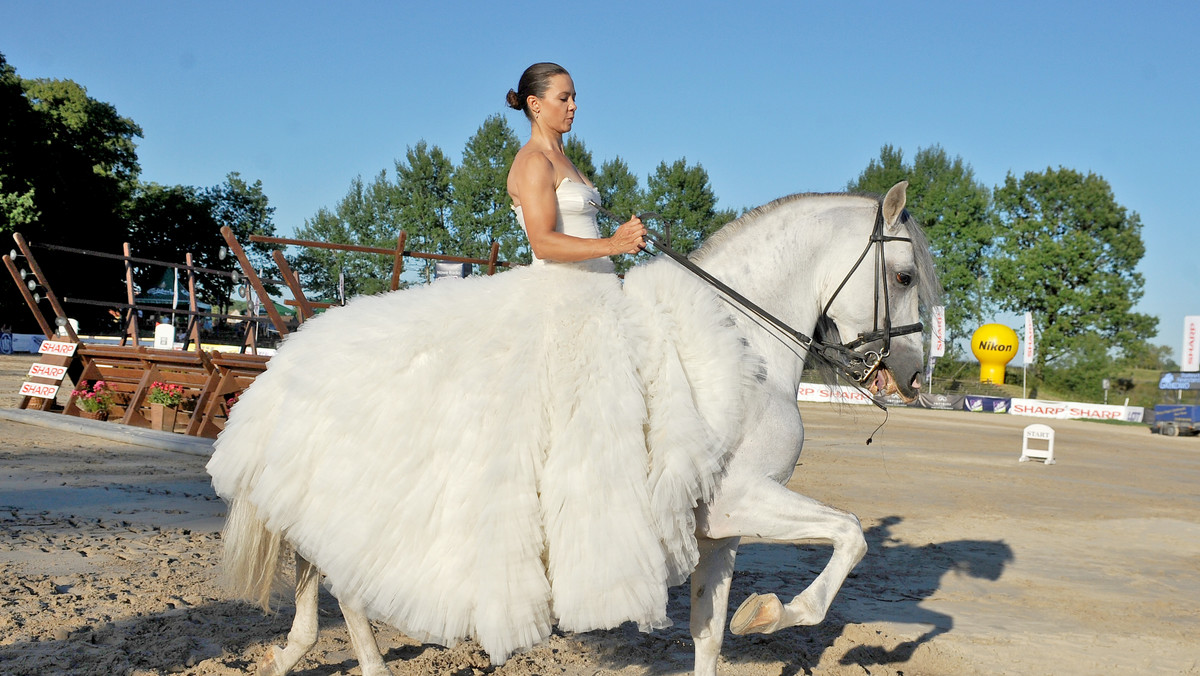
(630,237)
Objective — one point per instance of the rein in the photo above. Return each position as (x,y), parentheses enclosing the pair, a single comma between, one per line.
(858,366)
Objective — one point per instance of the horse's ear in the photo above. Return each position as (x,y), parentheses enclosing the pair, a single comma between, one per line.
(893,204)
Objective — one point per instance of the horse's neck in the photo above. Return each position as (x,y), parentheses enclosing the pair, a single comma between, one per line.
(781,262)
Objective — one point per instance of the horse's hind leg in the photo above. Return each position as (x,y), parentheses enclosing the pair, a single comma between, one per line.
(303,634)
(767,510)
(362,637)
(710,600)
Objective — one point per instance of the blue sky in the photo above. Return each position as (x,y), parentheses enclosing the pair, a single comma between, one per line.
(771,98)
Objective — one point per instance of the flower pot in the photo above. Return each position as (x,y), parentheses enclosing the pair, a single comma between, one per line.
(162,417)
(94,415)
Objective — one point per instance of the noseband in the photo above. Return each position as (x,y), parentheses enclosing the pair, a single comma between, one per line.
(859,366)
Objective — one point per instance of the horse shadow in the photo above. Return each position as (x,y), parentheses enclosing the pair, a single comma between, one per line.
(890,585)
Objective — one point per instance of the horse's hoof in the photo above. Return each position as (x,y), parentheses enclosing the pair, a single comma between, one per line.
(269,664)
(759,614)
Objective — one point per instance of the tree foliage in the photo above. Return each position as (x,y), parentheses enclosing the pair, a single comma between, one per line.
(68,164)
(481,211)
(369,215)
(424,199)
(684,198)
(168,222)
(953,207)
(621,195)
(1066,250)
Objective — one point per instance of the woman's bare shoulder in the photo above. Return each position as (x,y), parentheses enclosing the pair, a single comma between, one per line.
(531,165)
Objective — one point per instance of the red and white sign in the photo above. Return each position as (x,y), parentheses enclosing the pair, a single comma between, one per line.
(47,371)
(57,347)
(1072,409)
(1030,353)
(1191,344)
(937,341)
(38,390)
(839,393)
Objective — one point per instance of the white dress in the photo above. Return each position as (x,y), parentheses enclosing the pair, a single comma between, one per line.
(576,217)
(492,456)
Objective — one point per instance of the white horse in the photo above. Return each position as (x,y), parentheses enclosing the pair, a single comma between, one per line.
(800,258)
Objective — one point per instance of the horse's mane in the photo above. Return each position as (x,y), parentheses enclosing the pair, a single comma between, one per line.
(929,289)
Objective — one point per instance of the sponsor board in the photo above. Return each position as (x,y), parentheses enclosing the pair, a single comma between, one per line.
(983,404)
(24,342)
(891,400)
(1191,344)
(940,402)
(1071,409)
(56,347)
(839,393)
(38,390)
(937,338)
(1030,350)
(47,371)
(1038,408)
(1177,380)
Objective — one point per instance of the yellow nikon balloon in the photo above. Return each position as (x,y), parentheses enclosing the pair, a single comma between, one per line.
(994,346)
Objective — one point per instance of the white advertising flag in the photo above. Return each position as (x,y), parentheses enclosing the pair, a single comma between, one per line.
(937,339)
(1030,350)
(1191,343)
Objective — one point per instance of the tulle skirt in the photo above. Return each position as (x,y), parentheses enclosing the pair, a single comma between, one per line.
(491,456)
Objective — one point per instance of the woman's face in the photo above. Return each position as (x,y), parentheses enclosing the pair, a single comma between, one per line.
(556,108)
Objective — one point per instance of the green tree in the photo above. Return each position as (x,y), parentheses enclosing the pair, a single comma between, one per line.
(1066,250)
(620,194)
(246,210)
(954,209)
(576,151)
(19,129)
(424,200)
(481,212)
(168,222)
(683,197)
(165,224)
(68,165)
(368,215)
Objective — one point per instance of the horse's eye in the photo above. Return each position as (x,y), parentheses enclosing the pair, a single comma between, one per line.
(904,278)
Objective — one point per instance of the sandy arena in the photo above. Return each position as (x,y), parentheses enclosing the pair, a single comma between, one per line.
(978,564)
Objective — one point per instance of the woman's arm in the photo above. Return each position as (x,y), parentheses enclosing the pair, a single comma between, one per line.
(535,183)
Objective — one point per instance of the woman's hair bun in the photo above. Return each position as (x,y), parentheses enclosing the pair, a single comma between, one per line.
(534,82)
(513,100)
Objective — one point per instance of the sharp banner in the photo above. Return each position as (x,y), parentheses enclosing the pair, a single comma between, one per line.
(937,339)
(1072,409)
(1030,351)
(1191,343)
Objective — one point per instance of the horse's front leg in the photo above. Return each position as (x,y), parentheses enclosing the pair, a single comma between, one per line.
(710,600)
(762,508)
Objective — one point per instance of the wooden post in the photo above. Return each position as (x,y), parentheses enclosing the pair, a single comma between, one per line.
(492,257)
(195,318)
(25,293)
(292,280)
(131,325)
(255,282)
(37,272)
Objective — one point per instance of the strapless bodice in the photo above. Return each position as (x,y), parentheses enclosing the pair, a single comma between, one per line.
(577,218)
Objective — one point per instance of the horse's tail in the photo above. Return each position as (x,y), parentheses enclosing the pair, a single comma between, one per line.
(250,562)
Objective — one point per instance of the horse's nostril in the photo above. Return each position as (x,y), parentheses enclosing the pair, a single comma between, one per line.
(916,381)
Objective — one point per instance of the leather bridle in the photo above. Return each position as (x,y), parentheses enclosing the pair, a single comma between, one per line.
(859,366)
